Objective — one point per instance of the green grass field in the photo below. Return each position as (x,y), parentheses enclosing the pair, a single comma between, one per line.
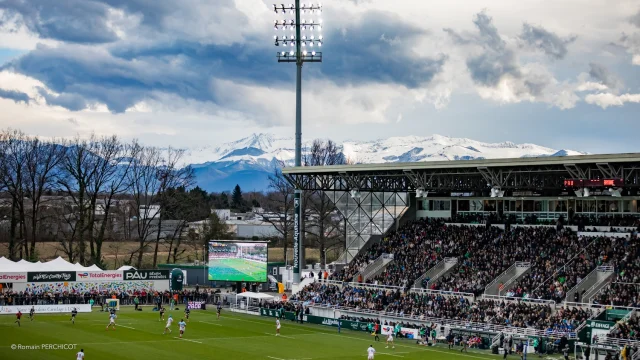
(235,336)
(237,270)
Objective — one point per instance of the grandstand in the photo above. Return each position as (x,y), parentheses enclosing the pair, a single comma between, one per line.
(529,246)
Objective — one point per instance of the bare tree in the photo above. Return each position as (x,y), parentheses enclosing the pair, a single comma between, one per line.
(41,173)
(152,173)
(112,162)
(80,168)
(280,207)
(12,169)
(324,225)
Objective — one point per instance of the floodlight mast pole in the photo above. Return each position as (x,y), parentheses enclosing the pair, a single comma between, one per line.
(299,57)
(298,161)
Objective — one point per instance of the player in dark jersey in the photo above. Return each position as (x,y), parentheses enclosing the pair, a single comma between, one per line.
(162,310)
(73,315)
(187,312)
(32,312)
(219,309)
(18,316)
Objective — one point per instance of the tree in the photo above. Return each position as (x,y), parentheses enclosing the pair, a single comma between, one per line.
(42,160)
(237,202)
(151,175)
(12,173)
(324,225)
(280,207)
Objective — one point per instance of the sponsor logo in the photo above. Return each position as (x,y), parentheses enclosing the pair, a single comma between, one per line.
(146,275)
(51,276)
(296,233)
(330,322)
(13,277)
(83,275)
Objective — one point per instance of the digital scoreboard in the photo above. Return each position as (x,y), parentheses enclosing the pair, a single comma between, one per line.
(581,183)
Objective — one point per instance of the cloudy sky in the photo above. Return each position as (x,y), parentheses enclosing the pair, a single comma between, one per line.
(560,73)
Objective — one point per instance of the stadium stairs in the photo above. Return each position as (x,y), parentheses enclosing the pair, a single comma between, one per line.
(441,269)
(376,267)
(500,284)
(592,284)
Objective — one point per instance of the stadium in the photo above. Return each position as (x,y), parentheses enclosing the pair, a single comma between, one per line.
(143,244)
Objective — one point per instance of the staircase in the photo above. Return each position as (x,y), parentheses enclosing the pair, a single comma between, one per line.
(440,269)
(495,341)
(377,266)
(500,284)
(295,288)
(592,284)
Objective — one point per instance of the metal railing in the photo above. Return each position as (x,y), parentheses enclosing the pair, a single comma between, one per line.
(376,265)
(519,299)
(442,292)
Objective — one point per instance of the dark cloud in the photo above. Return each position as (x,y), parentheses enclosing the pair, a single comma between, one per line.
(73,102)
(378,48)
(496,60)
(635,19)
(16,96)
(601,74)
(77,21)
(546,41)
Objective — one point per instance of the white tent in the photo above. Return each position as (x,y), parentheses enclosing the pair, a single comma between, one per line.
(248,296)
(126,267)
(58,264)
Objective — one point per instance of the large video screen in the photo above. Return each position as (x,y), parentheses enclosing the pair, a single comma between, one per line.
(238,261)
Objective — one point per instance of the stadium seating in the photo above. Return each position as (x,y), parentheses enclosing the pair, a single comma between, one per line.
(629,329)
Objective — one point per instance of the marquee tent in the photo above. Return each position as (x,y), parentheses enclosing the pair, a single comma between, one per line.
(58,264)
(248,296)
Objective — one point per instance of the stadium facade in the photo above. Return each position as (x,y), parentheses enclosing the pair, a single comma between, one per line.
(374,198)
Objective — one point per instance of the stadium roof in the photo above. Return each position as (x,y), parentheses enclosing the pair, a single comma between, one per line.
(531,173)
(444,164)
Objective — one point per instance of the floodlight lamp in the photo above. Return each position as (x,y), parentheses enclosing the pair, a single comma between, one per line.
(311,37)
(304,53)
(320,37)
(291,53)
(304,43)
(313,53)
(284,53)
(311,44)
(320,43)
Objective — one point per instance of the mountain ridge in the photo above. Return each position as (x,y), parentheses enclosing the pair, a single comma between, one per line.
(249,161)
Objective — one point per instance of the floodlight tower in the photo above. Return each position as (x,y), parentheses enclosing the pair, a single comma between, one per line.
(299,38)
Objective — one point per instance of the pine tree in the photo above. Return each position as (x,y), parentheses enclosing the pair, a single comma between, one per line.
(237,202)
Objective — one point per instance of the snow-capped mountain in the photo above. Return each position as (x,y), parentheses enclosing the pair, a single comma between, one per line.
(251,160)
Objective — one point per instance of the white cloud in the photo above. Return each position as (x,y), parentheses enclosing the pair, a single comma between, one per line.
(605,100)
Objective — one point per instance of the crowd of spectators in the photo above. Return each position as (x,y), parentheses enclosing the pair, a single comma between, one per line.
(144,297)
(567,261)
(428,305)
(629,329)
(625,288)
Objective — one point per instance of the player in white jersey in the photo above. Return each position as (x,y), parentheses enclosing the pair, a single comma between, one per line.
(112,321)
(371,352)
(80,355)
(390,341)
(182,325)
(277,327)
(168,327)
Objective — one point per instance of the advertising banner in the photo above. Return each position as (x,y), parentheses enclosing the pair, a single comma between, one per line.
(51,276)
(197,305)
(410,333)
(45,309)
(289,315)
(131,275)
(13,277)
(344,324)
(84,276)
(297,232)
